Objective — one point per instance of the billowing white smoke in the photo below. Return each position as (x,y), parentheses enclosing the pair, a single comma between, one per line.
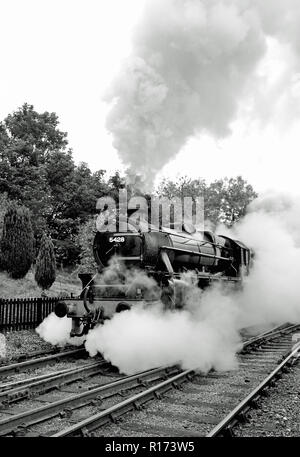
(148,337)
(205,334)
(193,63)
(56,331)
(272,291)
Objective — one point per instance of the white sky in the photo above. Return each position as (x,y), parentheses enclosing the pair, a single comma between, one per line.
(60,56)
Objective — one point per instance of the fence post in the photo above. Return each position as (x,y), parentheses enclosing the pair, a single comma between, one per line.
(39,310)
(1,314)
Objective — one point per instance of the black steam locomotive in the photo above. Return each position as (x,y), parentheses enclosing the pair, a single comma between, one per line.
(162,254)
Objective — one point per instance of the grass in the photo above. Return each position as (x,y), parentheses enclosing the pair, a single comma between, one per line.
(65,284)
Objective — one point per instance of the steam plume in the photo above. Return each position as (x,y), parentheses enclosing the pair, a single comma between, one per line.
(192,65)
(56,331)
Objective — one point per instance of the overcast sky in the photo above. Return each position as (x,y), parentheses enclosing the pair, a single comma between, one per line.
(62,55)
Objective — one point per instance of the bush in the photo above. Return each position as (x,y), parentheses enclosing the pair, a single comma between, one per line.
(17,244)
(45,270)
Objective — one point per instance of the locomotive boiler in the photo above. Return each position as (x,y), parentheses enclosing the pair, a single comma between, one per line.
(163,254)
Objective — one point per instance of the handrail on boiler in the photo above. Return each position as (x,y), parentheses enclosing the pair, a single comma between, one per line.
(200,254)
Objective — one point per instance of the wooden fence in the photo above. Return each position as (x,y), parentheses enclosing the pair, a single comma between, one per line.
(24,313)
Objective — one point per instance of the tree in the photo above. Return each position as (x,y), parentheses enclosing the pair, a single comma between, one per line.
(39,131)
(182,188)
(63,232)
(45,270)
(28,140)
(227,200)
(60,170)
(17,244)
(4,202)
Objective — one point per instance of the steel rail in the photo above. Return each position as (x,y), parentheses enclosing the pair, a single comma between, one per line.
(30,355)
(40,384)
(22,382)
(5,370)
(132,403)
(233,417)
(55,408)
(269,334)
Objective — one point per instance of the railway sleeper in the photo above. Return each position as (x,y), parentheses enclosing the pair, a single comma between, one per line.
(85,432)
(66,413)
(122,392)
(138,405)
(254,403)
(116,416)
(242,417)
(17,396)
(265,391)
(21,430)
(143,383)
(228,432)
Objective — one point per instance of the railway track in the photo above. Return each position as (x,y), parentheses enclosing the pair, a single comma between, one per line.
(90,425)
(35,362)
(30,355)
(238,415)
(15,391)
(20,422)
(86,399)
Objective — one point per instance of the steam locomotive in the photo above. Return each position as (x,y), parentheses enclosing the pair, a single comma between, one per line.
(162,254)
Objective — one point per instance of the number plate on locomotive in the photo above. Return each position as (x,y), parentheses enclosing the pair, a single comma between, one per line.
(116,239)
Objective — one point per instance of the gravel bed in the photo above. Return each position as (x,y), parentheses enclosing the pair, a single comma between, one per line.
(117,431)
(22,342)
(143,423)
(279,413)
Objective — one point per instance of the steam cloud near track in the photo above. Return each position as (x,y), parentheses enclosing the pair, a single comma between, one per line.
(194,64)
(56,331)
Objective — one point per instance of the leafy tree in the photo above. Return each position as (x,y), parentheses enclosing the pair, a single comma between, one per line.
(227,200)
(63,233)
(183,187)
(27,142)
(17,244)
(38,171)
(3,208)
(83,200)
(45,270)
(60,169)
(40,131)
